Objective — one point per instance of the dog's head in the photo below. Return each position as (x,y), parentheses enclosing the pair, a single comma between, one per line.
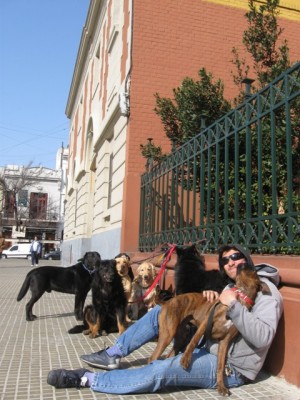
(162,295)
(107,271)
(247,280)
(91,260)
(122,265)
(146,274)
(123,255)
(188,252)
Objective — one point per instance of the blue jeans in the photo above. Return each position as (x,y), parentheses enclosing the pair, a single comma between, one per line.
(160,373)
(34,257)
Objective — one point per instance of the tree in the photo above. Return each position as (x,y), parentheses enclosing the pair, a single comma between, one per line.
(261,42)
(270,59)
(182,118)
(196,102)
(12,186)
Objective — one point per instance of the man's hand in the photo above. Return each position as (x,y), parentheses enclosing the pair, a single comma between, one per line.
(227,297)
(210,295)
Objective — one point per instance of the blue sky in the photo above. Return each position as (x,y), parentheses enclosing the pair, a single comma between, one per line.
(39,40)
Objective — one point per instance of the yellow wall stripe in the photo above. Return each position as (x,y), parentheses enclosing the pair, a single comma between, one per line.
(289,9)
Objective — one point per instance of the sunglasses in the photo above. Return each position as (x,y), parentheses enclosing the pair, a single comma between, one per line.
(233,257)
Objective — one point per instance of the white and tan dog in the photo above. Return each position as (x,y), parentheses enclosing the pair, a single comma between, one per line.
(138,305)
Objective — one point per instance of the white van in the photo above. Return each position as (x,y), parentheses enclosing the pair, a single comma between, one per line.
(18,250)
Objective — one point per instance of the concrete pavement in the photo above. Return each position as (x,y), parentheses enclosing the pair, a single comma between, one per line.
(28,350)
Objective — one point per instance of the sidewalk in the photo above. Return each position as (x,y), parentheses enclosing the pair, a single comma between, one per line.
(28,350)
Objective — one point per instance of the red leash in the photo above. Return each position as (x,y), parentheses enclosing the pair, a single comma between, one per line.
(162,268)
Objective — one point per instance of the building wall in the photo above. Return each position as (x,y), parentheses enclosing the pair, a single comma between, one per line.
(130,50)
(45,181)
(98,131)
(200,34)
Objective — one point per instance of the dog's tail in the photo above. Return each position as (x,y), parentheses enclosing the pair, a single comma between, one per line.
(77,329)
(24,288)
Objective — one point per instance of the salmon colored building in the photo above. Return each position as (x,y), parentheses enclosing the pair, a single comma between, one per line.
(129,50)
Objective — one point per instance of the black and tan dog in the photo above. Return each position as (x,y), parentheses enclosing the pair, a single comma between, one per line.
(181,307)
(75,279)
(107,313)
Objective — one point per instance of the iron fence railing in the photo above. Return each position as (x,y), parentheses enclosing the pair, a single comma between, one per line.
(236,181)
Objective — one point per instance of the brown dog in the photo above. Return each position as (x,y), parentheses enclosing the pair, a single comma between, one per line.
(123,269)
(180,307)
(138,305)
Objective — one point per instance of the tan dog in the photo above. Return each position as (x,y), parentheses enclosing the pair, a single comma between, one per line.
(138,305)
(126,274)
(174,311)
(123,266)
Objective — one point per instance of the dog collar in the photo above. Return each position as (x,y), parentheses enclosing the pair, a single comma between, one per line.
(242,295)
(88,270)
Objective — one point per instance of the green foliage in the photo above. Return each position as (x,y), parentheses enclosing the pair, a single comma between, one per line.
(182,118)
(152,152)
(261,42)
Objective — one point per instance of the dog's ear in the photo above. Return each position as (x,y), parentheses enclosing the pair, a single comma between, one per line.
(179,250)
(154,273)
(130,273)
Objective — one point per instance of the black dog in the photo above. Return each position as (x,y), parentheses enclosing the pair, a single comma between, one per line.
(191,275)
(109,303)
(76,280)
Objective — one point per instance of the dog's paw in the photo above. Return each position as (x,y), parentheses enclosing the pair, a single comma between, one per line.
(185,361)
(223,391)
(31,318)
(93,335)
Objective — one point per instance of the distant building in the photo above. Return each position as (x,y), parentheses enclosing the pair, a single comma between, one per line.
(32,202)
(129,50)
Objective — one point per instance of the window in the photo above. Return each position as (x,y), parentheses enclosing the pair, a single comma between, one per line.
(9,204)
(110,174)
(38,205)
(23,198)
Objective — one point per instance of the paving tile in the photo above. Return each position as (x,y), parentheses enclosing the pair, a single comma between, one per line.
(28,350)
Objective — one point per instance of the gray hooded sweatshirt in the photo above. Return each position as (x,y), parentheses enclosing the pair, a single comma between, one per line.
(257,328)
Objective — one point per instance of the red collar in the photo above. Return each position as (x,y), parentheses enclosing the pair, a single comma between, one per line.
(242,295)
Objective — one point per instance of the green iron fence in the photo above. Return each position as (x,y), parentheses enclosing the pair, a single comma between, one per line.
(237,181)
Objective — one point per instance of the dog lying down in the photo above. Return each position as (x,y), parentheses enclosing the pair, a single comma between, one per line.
(76,280)
(182,306)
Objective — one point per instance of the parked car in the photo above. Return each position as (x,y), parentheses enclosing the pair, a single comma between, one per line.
(52,255)
(19,250)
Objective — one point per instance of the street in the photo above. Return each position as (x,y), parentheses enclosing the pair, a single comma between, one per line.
(28,350)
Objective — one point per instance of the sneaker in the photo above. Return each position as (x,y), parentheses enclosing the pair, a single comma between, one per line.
(101,359)
(62,378)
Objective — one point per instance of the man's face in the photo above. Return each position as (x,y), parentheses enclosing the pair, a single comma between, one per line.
(230,260)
